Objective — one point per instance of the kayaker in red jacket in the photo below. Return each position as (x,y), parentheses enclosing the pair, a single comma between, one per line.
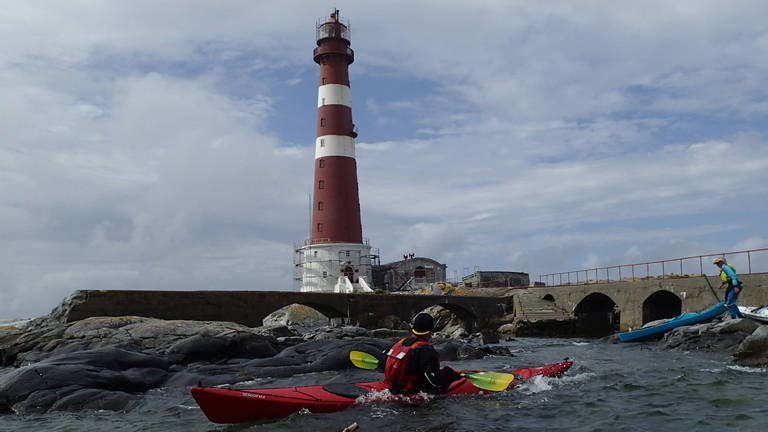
(413,364)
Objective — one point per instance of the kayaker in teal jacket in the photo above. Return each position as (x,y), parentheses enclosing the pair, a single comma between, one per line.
(728,278)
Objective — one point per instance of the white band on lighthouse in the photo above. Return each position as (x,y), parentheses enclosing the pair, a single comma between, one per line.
(333,94)
(334,145)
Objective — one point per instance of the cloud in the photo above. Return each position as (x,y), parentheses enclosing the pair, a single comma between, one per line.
(164,199)
(139,154)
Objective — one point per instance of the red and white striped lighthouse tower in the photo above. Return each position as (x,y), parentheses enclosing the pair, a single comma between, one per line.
(336,257)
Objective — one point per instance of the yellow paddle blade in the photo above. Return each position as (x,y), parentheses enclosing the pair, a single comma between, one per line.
(363,360)
(493,381)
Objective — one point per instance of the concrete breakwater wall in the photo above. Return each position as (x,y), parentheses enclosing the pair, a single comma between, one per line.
(251,307)
(629,303)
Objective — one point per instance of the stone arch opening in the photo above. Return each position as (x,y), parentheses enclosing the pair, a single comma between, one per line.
(660,305)
(549,298)
(597,315)
(450,319)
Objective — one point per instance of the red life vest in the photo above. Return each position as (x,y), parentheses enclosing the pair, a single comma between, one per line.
(396,368)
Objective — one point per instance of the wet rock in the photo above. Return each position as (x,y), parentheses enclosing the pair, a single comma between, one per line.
(547,328)
(485,337)
(389,333)
(277,331)
(102,370)
(753,350)
(453,350)
(393,322)
(49,338)
(329,333)
(307,357)
(95,399)
(197,347)
(717,336)
(74,398)
(456,331)
(289,341)
(496,350)
(5,405)
(229,345)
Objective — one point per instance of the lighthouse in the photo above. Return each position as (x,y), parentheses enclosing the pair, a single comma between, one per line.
(336,257)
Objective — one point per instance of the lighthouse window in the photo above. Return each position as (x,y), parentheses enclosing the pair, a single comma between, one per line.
(321,184)
(321,163)
(347,253)
(322,121)
(325,274)
(327,30)
(322,142)
(323,80)
(320,205)
(319,227)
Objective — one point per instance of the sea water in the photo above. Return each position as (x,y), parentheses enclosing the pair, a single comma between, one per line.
(611,387)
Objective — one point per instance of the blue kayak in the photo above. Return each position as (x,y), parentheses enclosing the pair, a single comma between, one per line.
(685,319)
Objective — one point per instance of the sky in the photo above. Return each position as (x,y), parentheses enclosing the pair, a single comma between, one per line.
(170,145)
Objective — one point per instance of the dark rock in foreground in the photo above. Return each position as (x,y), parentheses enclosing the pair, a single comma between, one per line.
(753,351)
(105,378)
(744,339)
(723,335)
(185,341)
(108,362)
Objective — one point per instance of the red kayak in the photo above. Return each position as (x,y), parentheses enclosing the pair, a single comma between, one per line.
(237,406)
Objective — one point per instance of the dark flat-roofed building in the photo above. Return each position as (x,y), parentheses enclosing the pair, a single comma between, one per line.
(495,279)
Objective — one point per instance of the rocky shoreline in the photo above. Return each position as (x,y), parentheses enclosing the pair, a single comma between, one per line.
(109,362)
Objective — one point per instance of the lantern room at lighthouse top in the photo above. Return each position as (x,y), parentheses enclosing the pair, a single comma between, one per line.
(333,37)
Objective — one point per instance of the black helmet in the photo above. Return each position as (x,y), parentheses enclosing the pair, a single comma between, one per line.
(423,323)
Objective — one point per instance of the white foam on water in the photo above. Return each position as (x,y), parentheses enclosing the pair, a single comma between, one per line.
(541,383)
(376,396)
(536,384)
(380,411)
(580,343)
(570,379)
(747,369)
(385,396)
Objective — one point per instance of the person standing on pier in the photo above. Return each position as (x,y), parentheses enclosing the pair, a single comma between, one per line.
(728,277)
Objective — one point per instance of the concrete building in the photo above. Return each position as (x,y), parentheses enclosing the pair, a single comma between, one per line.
(495,279)
(335,258)
(408,274)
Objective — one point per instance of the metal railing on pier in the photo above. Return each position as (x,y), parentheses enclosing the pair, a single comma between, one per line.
(746,262)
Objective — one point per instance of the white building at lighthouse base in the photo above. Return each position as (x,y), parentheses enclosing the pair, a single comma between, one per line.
(333,267)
